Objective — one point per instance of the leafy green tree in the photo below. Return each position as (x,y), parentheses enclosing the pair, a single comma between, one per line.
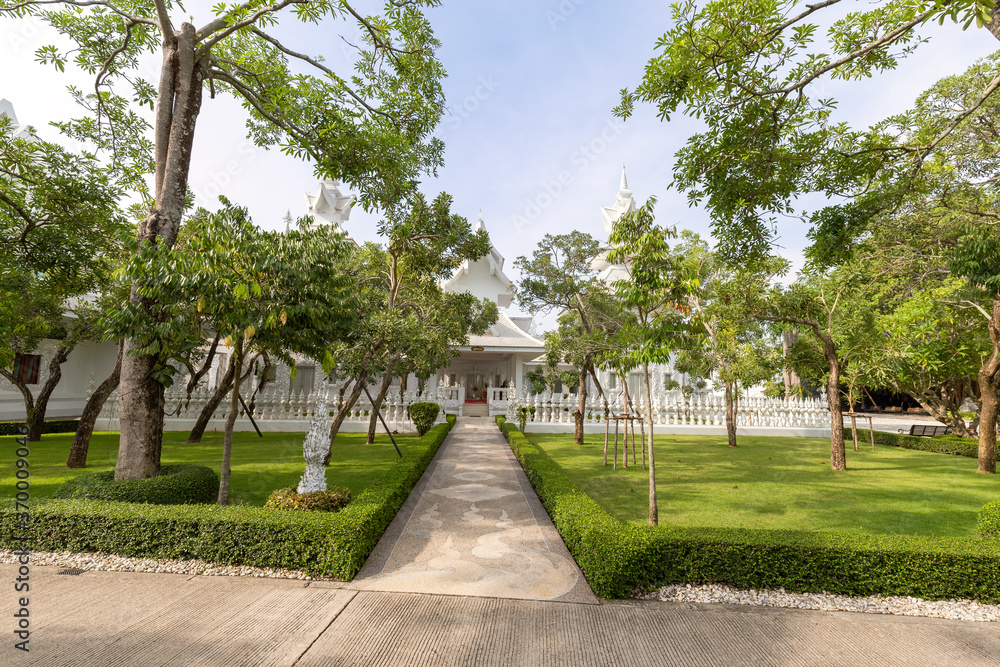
(371,129)
(262,292)
(834,306)
(933,350)
(398,284)
(657,283)
(734,345)
(748,70)
(560,276)
(60,229)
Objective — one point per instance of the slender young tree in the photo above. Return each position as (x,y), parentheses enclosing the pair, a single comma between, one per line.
(656,285)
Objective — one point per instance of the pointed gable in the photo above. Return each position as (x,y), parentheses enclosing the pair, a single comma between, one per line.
(483,278)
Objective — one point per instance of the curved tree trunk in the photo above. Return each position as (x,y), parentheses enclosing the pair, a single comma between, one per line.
(989,388)
(226,472)
(945,414)
(338,420)
(379,399)
(177,106)
(36,415)
(213,404)
(81,440)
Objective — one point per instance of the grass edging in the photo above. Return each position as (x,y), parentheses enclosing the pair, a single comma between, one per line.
(620,558)
(319,543)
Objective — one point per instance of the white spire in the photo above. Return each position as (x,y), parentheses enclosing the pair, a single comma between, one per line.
(623,204)
(479,223)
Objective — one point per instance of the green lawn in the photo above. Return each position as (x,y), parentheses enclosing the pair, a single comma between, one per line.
(784,483)
(260,465)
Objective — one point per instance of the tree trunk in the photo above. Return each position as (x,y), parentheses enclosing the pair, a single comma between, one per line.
(36,414)
(989,384)
(81,440)
(792,381)
(227,442)
(338,420)
(213,404)
(654,515)
(379,399)
(578,416)
(177,106)
(940,411)
(730,415)
(838,454)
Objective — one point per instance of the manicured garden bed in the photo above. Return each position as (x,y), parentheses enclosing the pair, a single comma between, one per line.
(784,484)
(320,543)
(260,465)
(622,557)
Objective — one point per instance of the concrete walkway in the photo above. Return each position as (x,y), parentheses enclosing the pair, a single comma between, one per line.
(108,619)
(473,526)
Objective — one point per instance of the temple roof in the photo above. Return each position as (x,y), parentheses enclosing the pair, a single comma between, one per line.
(19,131)
(483,278)
(507,333)
(329,205)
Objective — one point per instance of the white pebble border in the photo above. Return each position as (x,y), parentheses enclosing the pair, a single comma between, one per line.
(111,563)
(958,610)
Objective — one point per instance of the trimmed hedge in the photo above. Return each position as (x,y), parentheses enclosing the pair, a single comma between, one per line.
(989,520)
(620,558)
(331,500)
(424,416)
(939,445)
(53,426)
(319,543)
(176,485)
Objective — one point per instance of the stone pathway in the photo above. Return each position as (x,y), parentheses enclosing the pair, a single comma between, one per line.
(473,526)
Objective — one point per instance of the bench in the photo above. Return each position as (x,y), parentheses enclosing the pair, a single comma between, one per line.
(928,430)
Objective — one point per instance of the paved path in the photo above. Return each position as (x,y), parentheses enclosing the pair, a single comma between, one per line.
(108,619)
(474,526)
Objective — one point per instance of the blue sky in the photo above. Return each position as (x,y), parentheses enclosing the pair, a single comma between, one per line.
(530,90)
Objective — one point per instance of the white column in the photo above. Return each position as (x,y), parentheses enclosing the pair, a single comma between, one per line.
(519,372)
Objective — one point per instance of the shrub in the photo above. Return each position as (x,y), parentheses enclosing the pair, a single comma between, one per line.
(176,485)
(331,500)
(53,426)
(423,416)
(620,558)
(989,520)
(940,444)
(334,544)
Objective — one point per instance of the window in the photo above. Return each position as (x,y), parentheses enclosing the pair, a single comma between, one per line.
(304,377)
(612,382)
(26,367)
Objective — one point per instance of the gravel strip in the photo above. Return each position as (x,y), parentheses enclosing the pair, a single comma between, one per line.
(957,610)
(112,563)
